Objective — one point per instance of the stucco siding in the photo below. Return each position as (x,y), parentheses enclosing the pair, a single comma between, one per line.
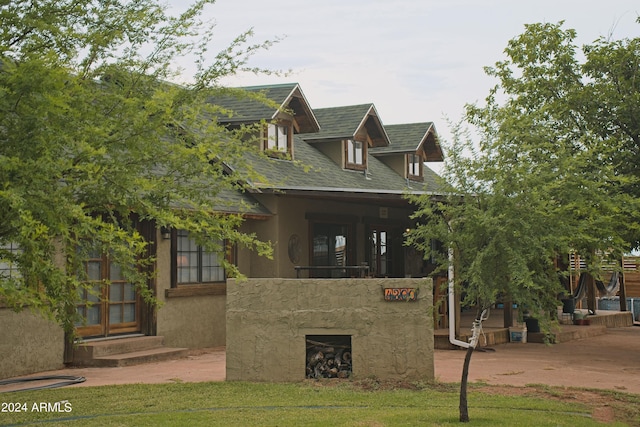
(29,344)
(268,321)
(193,322)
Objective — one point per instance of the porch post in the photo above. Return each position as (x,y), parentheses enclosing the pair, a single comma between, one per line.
(623,290)
(591,294)
(508,312)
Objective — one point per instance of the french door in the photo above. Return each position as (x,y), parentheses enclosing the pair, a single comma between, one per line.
(385,251)
(380,255)
(331,249)
(110,305)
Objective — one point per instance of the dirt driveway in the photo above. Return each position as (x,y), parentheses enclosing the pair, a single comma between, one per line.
(610,361)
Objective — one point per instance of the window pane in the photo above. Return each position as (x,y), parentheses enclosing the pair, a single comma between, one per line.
(115,272)
(94,269)
(115,292)
(190,275)
(355,152)
(82,314)
(212,270)
(350,152)
(212,274)
(93,315)
(115,313)
(358,152)
(129,292)
(187,258)
(93,295)
(129,314)
(282,138)
(7,267)
(272,136)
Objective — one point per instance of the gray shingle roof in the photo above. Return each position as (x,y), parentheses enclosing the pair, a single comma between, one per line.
(254,103)
(237,202)
(252,110)
(312,170)
(405,138)
(326,175)
(339,122)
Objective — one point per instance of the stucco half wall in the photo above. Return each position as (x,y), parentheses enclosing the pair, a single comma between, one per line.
(29,343)
(268,321)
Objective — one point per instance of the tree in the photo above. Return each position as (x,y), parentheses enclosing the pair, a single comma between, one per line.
(95,139)
(553,172)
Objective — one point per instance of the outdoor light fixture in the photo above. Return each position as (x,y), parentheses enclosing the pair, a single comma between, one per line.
(165,232)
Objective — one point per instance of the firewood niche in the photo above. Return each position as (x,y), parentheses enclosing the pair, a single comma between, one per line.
(328,356)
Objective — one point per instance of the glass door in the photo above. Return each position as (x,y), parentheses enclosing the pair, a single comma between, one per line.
(380,251)
(111,304)
(330,249)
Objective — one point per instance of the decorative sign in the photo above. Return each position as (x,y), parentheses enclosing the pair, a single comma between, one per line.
(400,294)
(384,212)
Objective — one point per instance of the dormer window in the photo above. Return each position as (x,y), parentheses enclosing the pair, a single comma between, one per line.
(356,154)
(278,138)
(414,167)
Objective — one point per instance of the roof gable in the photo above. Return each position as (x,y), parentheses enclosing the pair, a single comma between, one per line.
(412,138)
(254,103)
(348,122)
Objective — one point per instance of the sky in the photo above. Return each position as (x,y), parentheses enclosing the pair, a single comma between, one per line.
(415,60)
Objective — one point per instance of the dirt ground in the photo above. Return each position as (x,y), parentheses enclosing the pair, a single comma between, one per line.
(610,361)
(606,362)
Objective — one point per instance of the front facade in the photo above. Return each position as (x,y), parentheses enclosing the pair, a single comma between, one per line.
(333,205)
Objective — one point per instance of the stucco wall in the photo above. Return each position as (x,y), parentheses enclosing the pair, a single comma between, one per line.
(29,344)
(268,320)
(193,322)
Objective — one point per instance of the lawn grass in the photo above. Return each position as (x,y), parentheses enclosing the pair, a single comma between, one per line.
(341,403)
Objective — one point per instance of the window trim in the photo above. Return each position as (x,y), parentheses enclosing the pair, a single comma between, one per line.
(411,160)
(228,255)
(277,151)
(350,150)
(10,267)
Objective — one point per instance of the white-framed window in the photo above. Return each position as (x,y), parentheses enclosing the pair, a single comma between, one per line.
(195,264)
(278,137)
(414,166)
(8,268)
(355,154)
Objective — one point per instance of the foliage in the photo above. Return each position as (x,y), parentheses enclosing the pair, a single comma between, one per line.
(555,171)
(95,140)
(552,172)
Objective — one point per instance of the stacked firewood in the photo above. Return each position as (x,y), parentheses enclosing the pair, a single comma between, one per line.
(327,360)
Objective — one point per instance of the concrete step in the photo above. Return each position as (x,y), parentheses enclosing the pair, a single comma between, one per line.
(106,347)
(569,333)
(139,357)
(124,351)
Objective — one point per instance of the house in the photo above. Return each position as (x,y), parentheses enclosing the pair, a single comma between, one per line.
(332,202)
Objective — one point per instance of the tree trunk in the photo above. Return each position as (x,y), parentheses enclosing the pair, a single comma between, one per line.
(464,410)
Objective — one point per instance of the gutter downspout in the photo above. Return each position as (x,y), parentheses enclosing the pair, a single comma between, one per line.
(452,314)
